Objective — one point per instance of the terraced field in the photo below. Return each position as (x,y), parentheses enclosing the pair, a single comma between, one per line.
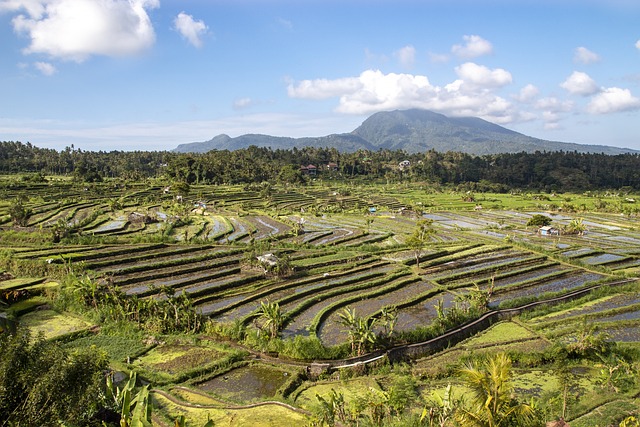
(204,253)
(344,249)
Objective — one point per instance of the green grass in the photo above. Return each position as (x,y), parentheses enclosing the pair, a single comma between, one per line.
(53,324)
(260,416)
(499,333)
(117,348)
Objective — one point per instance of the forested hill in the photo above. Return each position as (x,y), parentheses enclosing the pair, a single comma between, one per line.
(413,131)
(549,171)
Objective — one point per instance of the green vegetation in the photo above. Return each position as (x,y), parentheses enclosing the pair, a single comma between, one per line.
(290,301)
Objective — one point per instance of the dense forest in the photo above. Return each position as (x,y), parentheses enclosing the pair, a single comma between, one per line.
(550,171)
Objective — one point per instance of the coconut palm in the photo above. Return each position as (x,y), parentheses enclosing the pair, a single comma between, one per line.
(576,226)
(492,402)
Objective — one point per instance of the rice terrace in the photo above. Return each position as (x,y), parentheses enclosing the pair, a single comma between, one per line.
(317,300)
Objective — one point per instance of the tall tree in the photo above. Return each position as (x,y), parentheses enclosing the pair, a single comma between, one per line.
(420,237)
(492,401)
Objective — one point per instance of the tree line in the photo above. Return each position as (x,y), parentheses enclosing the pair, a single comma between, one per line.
(549,171)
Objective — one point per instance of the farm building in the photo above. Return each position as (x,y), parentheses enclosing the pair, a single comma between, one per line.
(547,230)
(405,164)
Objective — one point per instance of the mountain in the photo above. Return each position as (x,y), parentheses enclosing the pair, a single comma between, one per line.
(412,131)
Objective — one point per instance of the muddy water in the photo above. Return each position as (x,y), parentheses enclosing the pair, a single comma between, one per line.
(300,323)
(247,383)
(601,259)
(561,284)
(239,230)
(210,307)
(530,275)
(332,283)
(606,304)
(332,333)
(629,315)
(576,252)
(624,334)
(422,314)
(109,226)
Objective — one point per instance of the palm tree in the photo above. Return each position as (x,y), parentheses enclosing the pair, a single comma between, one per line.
(576,226)
(492,402)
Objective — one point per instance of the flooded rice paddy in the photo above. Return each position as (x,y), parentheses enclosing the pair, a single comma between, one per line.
(247,383)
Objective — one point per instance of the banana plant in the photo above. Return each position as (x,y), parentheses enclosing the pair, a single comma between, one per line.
(135,409)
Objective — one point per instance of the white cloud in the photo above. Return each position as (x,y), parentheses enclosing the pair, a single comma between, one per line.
(438,58)
(554,105)
(190,29)
(374,91)
(579,83)
(552,126)
(375,57)
(552,111)
(474,46)
(638,44)
(479,76)
(76,29)
(45,68)
(613,100)
(285,23)
(583,55)
(406,56)
(324,88)
(242,103)
(527,93)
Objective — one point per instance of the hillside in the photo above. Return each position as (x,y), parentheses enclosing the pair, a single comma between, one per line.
(413,131)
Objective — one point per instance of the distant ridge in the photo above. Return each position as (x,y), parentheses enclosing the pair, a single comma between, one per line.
(413,131)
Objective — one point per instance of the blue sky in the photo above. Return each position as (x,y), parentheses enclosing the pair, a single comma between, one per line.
(152,74)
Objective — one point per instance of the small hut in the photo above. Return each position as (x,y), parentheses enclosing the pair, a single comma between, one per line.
(547,230)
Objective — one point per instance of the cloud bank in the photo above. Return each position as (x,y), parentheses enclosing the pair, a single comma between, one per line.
(613,100)
(77,29)
(374,91)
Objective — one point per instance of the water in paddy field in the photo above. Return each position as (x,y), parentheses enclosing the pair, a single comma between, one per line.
(109,226)
(561,284)
(606,304)
(601,259)
(624,334)
(332,333)
(423,313)
(247,383)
